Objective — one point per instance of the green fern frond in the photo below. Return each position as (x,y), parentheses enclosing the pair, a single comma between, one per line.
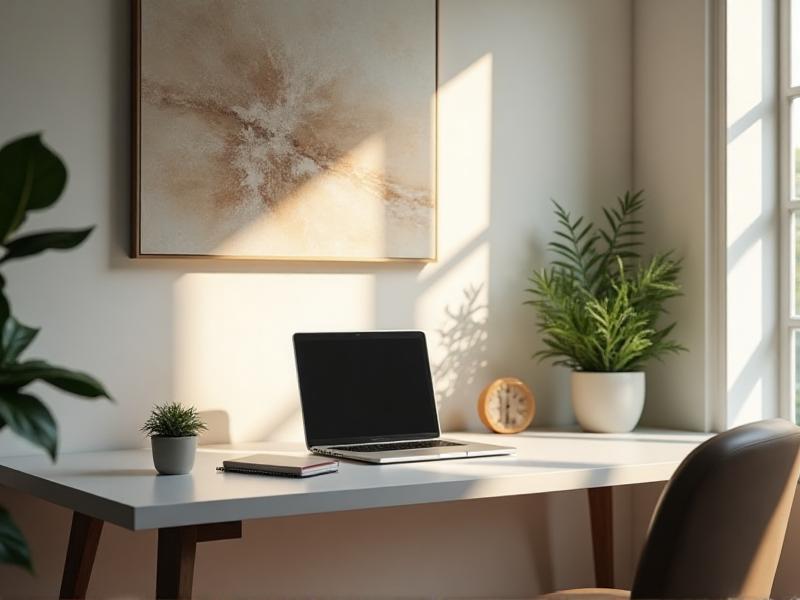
(578,246)
(623,236)
(598,304)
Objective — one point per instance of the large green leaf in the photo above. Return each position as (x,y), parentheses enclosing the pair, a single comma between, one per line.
(21,374)
(28,417)
(14,339)
(13,548)
(5,309)
(35,243)
(31,177)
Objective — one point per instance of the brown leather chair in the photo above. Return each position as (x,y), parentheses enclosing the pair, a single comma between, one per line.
(718,529)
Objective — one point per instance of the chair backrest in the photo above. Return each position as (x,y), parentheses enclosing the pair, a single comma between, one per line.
(718,529)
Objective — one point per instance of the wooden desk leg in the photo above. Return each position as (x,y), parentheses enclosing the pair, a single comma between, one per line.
(177,547)
(601,515)
(84,537)
(175,570)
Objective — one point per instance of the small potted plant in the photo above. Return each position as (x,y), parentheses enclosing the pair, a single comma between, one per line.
(599,305)
(172,429)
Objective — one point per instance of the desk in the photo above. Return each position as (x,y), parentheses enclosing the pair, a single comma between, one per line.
(121,487)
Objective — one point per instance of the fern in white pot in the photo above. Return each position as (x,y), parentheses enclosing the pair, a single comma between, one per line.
(599,305)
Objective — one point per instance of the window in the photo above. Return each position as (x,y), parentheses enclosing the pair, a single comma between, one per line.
(789,186)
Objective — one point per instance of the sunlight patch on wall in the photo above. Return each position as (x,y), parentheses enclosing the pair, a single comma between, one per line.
(233,343)
(465,157)
(452,302)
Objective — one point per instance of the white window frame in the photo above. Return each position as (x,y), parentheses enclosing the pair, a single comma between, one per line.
(788,207)
(716,245)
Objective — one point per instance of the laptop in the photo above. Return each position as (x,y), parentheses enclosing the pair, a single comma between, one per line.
(368,396)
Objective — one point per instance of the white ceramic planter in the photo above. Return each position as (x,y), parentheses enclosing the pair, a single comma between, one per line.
(607,402)
(174,455)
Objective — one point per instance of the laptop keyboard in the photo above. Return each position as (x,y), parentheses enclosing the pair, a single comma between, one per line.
(397,446)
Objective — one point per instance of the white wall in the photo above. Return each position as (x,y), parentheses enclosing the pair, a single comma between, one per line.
(670,165)
(535,103)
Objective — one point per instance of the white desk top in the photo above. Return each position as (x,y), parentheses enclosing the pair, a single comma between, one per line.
(122,486)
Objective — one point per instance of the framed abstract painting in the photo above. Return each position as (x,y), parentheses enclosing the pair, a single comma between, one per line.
(284,129)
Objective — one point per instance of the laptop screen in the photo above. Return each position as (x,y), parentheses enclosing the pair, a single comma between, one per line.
(365,387)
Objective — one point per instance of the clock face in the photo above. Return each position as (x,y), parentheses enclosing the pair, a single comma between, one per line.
(506,406)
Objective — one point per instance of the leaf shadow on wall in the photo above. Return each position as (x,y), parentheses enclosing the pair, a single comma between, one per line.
(463,341)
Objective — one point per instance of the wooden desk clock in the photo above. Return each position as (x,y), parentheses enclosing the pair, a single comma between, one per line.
(506,405)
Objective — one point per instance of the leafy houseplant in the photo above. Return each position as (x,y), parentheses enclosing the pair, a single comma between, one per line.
(172,429)
(32,178)
(599,303)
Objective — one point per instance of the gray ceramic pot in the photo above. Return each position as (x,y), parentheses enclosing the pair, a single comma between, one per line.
(174,455)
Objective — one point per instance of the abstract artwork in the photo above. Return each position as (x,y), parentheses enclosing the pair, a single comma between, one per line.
(285,129)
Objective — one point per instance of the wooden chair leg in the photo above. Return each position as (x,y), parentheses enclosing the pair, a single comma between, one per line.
(601,514)
(84,537)
(177,547)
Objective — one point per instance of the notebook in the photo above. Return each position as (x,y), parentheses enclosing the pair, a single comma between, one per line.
(281,464)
